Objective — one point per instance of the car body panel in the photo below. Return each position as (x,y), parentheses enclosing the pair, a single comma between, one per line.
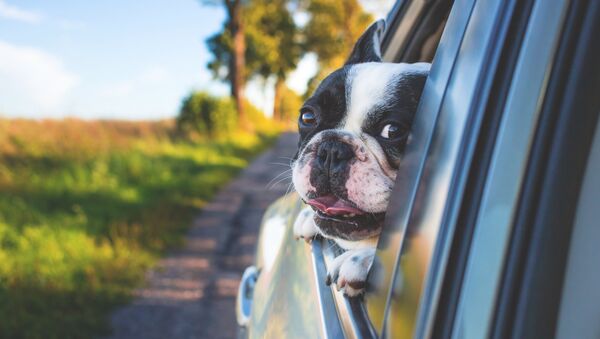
(290,296)
(284,283)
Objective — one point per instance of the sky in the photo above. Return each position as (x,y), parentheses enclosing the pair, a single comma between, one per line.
(112,59)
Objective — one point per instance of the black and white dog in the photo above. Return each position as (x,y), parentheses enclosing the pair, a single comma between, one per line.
(353,131)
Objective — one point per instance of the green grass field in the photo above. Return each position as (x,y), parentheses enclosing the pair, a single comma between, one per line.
(87,207)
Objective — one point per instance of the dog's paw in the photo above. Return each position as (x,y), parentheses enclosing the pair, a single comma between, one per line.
(350,269)
(304,226)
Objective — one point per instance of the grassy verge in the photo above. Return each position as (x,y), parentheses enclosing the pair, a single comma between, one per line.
(87,207)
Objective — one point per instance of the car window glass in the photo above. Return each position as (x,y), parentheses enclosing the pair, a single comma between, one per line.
(407,290)
(580,305)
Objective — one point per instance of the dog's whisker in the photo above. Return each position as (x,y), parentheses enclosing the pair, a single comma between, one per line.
(279,181)
(288,158)
(290,188)
(279,163)
(286,172)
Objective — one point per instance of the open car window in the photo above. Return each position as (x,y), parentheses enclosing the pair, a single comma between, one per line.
(414,31)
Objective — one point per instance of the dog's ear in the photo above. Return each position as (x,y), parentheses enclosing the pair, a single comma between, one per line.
(368,46)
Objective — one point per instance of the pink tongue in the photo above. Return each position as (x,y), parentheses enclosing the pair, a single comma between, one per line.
(333,206)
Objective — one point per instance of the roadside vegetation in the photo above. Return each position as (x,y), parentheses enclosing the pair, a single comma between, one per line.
(87,207)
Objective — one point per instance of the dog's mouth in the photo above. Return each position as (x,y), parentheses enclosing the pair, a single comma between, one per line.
(334,207)
(342,219)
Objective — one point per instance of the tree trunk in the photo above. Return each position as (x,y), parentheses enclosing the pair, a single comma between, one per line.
(238,63)
(279,87)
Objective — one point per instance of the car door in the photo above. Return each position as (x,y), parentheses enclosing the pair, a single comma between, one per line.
(452,218)
(495,249)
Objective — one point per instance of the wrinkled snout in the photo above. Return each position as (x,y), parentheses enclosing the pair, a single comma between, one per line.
(333,157)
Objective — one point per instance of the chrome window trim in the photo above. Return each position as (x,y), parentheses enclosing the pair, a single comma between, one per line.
(330,324)
(351,312)
(494,223)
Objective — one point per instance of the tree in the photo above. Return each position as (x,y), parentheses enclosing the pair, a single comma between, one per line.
(273,46)
(229,48)
(271,41)
(333,28)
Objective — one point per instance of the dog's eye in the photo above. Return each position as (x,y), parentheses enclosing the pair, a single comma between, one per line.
(391,131)
(308,118)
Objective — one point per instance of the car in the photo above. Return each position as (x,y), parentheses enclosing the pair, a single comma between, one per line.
(492,230)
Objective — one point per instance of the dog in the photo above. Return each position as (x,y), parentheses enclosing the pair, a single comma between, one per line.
(353,131)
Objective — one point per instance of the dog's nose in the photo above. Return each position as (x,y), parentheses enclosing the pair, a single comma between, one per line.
(333,156)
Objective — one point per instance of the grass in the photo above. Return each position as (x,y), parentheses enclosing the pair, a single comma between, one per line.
(87,207)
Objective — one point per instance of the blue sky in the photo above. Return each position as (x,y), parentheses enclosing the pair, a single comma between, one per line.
(121,59)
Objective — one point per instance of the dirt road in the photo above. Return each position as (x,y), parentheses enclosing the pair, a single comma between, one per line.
(191,293)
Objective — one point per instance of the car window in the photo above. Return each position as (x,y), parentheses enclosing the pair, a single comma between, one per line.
(580,305)
(404,289)
(450,96)
(413,33)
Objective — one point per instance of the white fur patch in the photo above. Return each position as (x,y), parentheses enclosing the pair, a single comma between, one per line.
(367,86)
(351,267)
(301,176)
(304,226)
(368,187)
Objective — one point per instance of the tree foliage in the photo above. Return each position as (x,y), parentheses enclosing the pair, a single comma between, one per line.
(331,32)
(333,28)
(271,39)
(272,42)
(289,105)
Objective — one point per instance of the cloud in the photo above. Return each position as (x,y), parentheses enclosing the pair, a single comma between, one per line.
(33,81)
(12,12)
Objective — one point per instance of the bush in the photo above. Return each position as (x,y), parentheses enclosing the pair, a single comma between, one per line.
(206,115)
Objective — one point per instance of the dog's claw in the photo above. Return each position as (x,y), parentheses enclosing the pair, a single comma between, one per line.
(349,271)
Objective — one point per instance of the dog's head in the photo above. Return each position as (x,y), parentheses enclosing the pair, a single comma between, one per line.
(353,131)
